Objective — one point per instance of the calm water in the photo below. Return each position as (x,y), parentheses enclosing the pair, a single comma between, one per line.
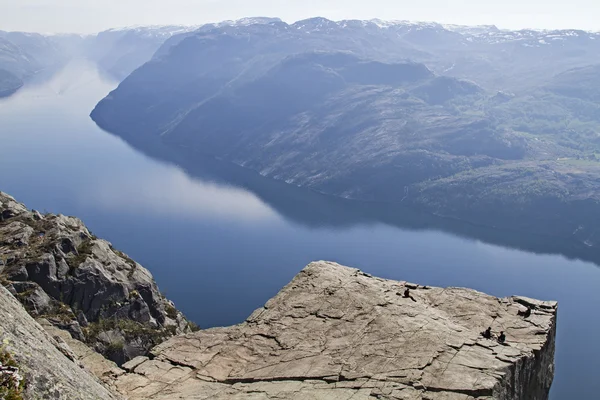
(224,241)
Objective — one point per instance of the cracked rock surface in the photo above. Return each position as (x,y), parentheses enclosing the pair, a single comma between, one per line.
(338,333)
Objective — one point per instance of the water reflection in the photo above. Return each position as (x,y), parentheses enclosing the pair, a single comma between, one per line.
(37,80)
(313,209)
(170,192)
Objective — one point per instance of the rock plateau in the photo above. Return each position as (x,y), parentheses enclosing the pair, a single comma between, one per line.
(338,333)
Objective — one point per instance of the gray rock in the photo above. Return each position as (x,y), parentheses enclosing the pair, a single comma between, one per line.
(64,348)
(129,366)
(71,326)
(10,208)
(105,370)
(31,295)
(49,374)
(62,269)
(337,333)
(139,311)
(37,216)
(81,319)
(43,272)
(98,285)
(15,234)
(16,273)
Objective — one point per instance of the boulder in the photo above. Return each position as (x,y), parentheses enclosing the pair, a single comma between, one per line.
(31,295)
(9,207)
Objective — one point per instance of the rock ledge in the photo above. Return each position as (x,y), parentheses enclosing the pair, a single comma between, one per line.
(338,333)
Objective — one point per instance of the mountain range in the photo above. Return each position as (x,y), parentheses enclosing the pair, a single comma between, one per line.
(117,52)
(22,55)
(494,127)
(491,126)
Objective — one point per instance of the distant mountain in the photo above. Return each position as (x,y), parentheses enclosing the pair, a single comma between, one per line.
(444,89)
(24,54)
(9,83)
(45,50)
(16,60)
(367,110)
(14,64)
(580,83)
(121,51)
(481,53)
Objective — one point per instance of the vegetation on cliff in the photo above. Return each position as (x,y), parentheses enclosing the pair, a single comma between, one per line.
(12,383)
(59,271)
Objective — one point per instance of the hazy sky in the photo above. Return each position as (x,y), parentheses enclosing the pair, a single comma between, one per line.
(95,15)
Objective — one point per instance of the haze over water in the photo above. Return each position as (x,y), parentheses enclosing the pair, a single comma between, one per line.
(220,251)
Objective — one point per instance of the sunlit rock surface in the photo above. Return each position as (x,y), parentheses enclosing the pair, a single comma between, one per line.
(46,363)
(338,333)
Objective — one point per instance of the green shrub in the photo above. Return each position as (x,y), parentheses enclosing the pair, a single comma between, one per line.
(193,326)
(84,250)
(116,346)
(129,328)
(171,311)
(60,312)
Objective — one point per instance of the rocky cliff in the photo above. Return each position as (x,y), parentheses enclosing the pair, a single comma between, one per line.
(40,360)
(336,332)
(82,284)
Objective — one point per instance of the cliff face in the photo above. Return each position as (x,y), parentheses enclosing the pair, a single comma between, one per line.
(335,332)
(48,373)
(60,271)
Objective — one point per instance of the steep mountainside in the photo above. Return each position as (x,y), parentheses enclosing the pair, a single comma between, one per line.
(45,50)
(14,65)
(62,272)
(24,54)
(121,51)
(335,106)
(9,83)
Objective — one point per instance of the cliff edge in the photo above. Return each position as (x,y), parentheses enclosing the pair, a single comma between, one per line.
(63,273)
(336,332)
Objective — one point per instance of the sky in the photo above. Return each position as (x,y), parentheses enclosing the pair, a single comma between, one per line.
(89,16)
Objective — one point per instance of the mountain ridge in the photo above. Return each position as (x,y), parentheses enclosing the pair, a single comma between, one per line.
(326,106)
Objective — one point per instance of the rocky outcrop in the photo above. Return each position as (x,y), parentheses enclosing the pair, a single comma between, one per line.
(41,360)
(105,370)
(62,272)
(338,333)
